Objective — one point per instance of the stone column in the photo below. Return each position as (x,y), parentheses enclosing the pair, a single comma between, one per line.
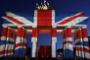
(54,40)
(34,42)
(9,49)
(85,42)
(79,43)
(67,44)
(3,39)
(20,44)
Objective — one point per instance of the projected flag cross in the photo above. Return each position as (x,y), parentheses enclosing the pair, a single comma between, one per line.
(44,21)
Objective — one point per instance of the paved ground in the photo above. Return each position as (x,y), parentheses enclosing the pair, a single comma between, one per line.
(26,58)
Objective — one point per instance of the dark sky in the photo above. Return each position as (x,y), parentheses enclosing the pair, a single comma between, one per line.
(62,8)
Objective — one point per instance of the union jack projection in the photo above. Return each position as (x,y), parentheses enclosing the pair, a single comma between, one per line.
(13,39)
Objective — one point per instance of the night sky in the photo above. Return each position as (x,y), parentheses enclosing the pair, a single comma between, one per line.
(62,8)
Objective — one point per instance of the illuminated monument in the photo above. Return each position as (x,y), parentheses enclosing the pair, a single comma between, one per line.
(44,17)
(44,22)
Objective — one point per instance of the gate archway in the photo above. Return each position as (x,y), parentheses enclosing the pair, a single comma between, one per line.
(81,40)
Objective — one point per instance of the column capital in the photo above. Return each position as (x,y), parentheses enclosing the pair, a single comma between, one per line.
(84,26)
(54,39)
(34,39)
(4,26)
